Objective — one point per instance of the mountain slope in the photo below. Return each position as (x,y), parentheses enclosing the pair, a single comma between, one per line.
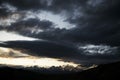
(102,72)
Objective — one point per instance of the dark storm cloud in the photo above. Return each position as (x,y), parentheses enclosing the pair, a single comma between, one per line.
(3,12)
(66,5)
(29,25)
(66,51)
(25,4)
(43,4)
(6,9)
(44,48)
(99,24)
(97,21)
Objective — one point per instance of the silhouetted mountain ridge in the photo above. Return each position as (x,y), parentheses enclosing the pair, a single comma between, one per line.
(103,72)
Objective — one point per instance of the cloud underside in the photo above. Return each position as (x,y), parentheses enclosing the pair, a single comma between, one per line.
(88,21)
(28,54)
(69,29)
(84,54)
(19,58)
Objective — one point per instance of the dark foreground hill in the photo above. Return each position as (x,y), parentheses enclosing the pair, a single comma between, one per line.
(102,72)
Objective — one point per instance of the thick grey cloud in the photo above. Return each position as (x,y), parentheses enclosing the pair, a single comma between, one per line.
(97,21)
(24,4)
(30,26)
(44,48)
(83,54)
(45,4)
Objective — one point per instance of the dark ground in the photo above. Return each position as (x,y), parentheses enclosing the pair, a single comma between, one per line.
(102,72)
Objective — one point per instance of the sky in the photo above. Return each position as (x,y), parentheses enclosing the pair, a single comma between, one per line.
(88,21)
(25,60)
(11,36)
(80,31)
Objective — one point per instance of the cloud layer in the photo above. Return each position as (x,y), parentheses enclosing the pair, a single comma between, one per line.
(70,28)
(82,53)
(94,21)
